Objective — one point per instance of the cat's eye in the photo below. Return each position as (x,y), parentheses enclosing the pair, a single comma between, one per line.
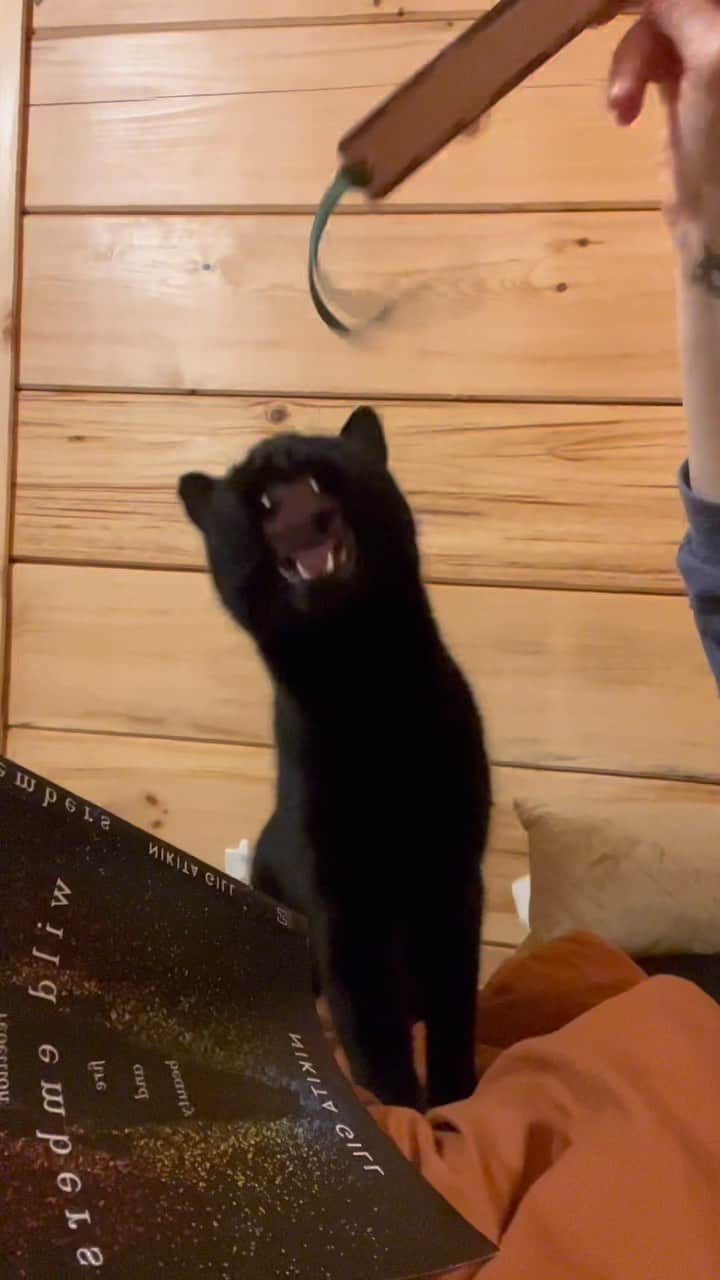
(266,501)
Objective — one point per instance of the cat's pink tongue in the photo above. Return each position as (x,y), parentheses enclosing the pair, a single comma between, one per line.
(315,562)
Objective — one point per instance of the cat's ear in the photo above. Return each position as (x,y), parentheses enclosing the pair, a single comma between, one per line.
(195,491)
(365,430)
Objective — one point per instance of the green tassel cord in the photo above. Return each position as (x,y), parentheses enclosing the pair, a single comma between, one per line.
(346,180)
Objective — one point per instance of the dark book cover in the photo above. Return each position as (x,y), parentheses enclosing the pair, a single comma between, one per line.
(168,1103)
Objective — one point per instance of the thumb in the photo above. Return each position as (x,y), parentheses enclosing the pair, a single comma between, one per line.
(644,56)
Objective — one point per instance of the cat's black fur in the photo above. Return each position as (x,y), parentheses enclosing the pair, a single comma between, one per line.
(383,790)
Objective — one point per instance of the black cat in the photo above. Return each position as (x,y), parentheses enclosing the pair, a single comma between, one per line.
(383,788)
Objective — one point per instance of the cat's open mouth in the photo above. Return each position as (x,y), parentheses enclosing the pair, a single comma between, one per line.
(306,532)
(332,558)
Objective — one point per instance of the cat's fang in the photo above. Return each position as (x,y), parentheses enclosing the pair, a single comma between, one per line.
(302,571)
(330,563)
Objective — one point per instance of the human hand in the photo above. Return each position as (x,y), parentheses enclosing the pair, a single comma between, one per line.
(676,45)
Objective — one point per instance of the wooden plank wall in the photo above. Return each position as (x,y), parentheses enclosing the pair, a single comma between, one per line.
(14,33)
(529,383)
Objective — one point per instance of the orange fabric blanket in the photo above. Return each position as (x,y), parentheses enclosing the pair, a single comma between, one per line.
(590,1149)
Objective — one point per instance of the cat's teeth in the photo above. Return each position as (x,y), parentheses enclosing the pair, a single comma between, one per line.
(302,570)
(330,565)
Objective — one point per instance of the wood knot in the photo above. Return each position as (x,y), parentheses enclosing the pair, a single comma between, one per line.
(278,414)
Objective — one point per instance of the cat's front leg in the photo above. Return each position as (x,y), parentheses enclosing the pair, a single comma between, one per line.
(366,993)
(450,996)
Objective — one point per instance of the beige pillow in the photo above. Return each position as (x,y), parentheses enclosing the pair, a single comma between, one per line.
(649,882)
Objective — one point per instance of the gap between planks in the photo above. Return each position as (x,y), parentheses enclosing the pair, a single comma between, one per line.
(374,210)
(518,765)
(219,24)
(434,580)
(387,397)
(398,15)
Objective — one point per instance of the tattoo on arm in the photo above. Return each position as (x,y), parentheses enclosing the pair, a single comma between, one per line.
(706,272)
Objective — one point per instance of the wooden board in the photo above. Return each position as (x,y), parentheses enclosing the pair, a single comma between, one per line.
(261,60)
(615,683)
(12,68)
(53,14)
(290,60)
(553,305)
(532,495)
(224,119)
(206,797)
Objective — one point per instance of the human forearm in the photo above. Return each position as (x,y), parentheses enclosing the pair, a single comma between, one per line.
(698,303)
(697,243)
(676,44)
